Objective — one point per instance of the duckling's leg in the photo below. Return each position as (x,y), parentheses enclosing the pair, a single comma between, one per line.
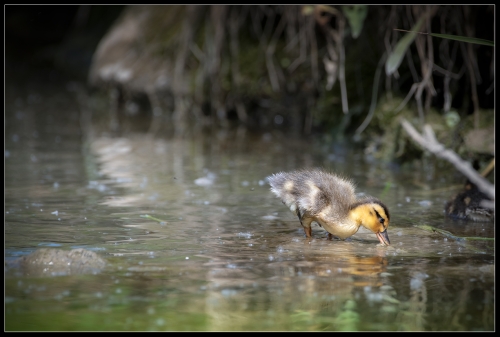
(299,215)
(330,236)
(306,223)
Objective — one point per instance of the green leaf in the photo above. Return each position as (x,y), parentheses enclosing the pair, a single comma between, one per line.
(465,39)
(356,15)
(396,56)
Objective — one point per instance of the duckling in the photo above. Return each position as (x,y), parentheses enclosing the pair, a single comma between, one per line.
(329,200)
(466,205)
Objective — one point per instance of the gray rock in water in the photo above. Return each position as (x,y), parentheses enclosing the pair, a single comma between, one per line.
(55,262)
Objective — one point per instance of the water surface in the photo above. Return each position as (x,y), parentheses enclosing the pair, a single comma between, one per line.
(228,255)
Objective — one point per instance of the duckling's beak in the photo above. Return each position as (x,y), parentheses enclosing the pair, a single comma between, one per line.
(383,238)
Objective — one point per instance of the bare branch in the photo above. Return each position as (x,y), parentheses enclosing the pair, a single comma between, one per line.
(428,141)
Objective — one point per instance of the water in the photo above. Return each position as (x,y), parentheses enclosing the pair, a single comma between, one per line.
(227,254)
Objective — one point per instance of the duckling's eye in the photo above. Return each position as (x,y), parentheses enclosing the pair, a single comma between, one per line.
(380,219)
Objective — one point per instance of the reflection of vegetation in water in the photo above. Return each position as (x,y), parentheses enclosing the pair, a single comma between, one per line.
(152,301)
(411,313)
(348,318)
(303,320)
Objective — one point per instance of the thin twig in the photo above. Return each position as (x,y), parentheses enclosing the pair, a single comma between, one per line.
(430,52)
(373,104)
(488,168)
(469,56)
(314,50)
(147,216)
(341,48)
(461,239)
(407,98)
(234,25)
(273,77)
(452,236)
(449,73)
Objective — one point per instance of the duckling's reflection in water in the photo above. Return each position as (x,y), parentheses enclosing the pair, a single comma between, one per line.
(343,261)
(294,287)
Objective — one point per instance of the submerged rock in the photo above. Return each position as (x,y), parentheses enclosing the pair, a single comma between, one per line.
(56,262)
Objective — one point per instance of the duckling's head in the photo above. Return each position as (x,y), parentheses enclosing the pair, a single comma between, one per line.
(371,213)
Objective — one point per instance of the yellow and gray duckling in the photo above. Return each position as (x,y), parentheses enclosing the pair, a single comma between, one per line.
(330,201)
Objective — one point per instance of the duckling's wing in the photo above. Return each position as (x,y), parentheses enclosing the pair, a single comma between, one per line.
(311,191)
(327,190)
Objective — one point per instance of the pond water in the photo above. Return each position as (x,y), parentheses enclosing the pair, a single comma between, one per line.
(227,254)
